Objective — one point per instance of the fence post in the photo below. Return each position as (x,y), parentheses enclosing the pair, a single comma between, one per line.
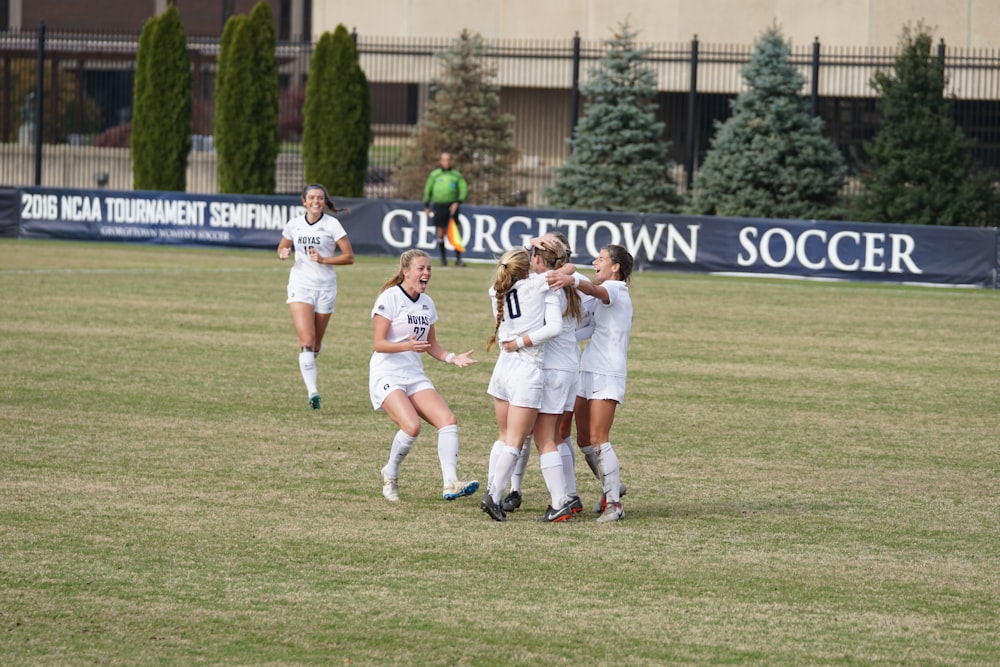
(692,139)
(814,93)
(574,100)
(39,100)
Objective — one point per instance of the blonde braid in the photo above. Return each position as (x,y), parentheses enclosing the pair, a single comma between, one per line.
(513,266)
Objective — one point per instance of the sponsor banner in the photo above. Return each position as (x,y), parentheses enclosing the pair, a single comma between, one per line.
(10,199)
(749,246)
(155,217)
(835,250)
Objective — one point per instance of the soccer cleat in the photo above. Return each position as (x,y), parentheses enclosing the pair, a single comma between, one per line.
(390,488)
(460,489)
(511,502)
(575,504)
(564,513)
(490,506)
(314,402)
(614,512)
(602,504)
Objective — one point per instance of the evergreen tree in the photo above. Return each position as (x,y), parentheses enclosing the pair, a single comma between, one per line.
(921,169)
(619,160)
(464,118)
(246,103)
(161,123)
(264,130)
(769,159)
(337,125)
(233,154)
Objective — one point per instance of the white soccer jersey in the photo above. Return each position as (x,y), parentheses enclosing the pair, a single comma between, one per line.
(407,317)
(562,353)
(607,352)
(524,312)
(322,235)
(585,327)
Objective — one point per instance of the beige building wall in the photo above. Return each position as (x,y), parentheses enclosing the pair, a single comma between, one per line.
(961,23)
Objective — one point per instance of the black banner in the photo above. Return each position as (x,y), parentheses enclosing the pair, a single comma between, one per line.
(916,254)
(10,199)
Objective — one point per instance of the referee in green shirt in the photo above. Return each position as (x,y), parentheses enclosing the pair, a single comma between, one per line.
(446,189)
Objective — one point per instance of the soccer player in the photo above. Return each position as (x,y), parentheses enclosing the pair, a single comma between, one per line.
(404,317)
(560,366)
(528,314)
(603,365)
(312,283)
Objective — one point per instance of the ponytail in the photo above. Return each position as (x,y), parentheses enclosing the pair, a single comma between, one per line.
(514,265)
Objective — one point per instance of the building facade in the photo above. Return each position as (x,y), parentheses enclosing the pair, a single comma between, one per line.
(856,23)
(541,52)
(200,17)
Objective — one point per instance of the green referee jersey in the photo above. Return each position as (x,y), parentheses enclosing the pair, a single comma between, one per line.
(445,186)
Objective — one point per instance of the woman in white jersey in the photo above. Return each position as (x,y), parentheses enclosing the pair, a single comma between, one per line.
(403,319)
(312,282)
(603,365)
(580,412)
(560,367)
(528,314)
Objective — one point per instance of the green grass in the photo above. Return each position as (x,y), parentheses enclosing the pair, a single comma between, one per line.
(813,472)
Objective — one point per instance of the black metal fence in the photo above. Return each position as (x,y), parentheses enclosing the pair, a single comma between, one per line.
(70,128)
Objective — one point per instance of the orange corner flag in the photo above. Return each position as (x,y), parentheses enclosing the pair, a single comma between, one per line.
(454,238)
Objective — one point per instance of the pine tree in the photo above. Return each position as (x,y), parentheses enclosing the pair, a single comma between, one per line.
(140,139)
(264,130)
(619,159)
(464,119)
(337,124)
(769,159)
(350,118)
(246,103)
(232,117)
(921,169)
(161,123)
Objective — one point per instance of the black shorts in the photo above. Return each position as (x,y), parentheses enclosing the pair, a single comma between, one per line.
(442,214)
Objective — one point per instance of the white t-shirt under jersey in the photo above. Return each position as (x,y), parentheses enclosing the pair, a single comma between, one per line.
(407,317)
(322,235)
(607,352)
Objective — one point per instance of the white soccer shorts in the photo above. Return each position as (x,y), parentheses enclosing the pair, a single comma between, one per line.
(379,388)
(596,386)
(322,301)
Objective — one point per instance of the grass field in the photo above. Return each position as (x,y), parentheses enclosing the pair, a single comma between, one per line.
(813,473)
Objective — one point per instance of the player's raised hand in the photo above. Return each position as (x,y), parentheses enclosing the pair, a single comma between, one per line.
(464,359)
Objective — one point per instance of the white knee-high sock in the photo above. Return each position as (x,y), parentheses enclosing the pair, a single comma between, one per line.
(401,445)
(517,478)
(610,471)
(448,452)
(591,456)
(307,366)
(504,468)
(551,464)
(565,449)
(494,457)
